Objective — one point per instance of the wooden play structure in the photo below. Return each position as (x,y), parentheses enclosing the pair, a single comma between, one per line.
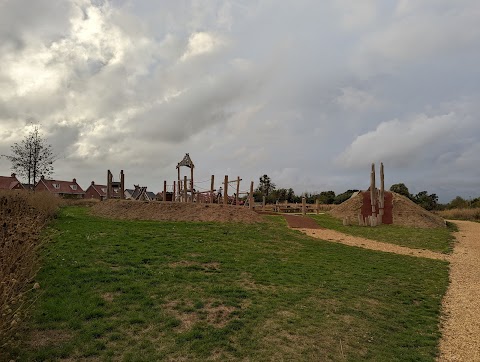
(377,207)
(115,189)
(187,190)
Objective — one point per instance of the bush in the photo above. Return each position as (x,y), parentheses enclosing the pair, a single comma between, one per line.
(23,214)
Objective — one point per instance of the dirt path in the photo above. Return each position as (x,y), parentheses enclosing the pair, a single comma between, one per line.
(461,305)
(335,236)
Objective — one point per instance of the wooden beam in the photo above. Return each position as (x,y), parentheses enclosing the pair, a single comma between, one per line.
(225,191)
(238,190)
(185,189)
(250,201)
(122,185)
(212,189)
(164,190)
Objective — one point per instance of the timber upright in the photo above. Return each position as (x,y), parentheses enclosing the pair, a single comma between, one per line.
(115,189)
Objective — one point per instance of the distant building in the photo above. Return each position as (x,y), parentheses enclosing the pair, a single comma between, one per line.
(10,183)
(98,192)
(140,193)
(65,189)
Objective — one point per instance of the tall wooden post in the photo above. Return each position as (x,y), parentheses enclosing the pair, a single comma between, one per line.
(238,190)
(174,191)
(250,195)
(381,201)
(185,189)
(225,191)
(164,190)
(212,189)
(263,203)
(317,205)
(191,182)
(304,206)
(122,185)
(109,184)
(372,190)
(179,185)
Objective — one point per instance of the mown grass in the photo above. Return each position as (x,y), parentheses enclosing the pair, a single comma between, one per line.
(437,239)
(151,291)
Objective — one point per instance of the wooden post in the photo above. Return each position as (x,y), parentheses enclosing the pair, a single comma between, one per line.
(164,190)
(225,191)
(317,205)
(179,184)
(191,183)
(122,185)
(250,195)
(304,205)
(372,190)
(109,185)
(174,191)
(185,189)
(238,190)
(212,188)
(263,203)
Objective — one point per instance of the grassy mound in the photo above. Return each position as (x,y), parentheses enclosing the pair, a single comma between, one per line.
(174,211)
(405,212)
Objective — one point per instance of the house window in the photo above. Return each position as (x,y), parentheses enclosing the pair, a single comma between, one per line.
(74,187)
(57,186)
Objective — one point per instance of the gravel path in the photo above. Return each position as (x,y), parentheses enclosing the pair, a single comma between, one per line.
(461,305)
(331,235)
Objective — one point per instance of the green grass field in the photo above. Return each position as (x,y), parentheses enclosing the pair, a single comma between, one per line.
(151,291)
(438,239)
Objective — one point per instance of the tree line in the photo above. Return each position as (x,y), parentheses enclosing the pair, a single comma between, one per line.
(426,200)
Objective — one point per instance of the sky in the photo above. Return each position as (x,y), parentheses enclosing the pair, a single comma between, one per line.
(308,92)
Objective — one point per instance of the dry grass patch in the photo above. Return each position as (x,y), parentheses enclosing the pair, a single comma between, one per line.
(49,337)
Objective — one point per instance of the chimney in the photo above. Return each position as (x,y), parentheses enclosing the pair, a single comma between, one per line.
(74,180)
(13,174)
(42,177)
(93,182)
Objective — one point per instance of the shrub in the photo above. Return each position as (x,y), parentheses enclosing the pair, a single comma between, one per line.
(22,215)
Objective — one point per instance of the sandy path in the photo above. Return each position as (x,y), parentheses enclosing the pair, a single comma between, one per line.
(331,235)
(461,304)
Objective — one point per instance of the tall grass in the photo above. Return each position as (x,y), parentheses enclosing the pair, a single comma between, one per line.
(22,216)
(461,214)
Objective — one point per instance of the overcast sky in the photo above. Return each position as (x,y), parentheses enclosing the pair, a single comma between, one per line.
(309,92)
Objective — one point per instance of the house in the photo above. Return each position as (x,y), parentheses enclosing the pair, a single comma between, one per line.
(95,191)
(10,183)
(65,189)
(140,193)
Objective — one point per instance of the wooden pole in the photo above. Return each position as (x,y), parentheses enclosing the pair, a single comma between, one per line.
(304,206)
(263,203)
(250,195)
(225,191)
(185,189)
(191,182)
(174,191)
(164,190)
(317,205)
(212,188)
(372,189)
(179,184)
(238,190)
(122,185)
(108,184)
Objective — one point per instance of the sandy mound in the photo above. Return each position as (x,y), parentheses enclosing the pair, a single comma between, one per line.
(174,211)
(405,212)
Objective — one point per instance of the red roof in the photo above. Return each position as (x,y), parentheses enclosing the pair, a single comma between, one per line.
(62,187)
(101,189)
(9,182)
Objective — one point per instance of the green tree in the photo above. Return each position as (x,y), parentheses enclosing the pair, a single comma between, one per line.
(32,157)
(326,197)
(266,186)
(401,189)
(428,202)
(344,196)
(458,203)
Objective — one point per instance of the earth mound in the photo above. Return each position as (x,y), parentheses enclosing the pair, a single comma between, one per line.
(405,212)
(174,211)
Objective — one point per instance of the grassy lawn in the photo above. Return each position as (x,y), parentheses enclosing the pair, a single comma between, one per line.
(438,239)
(148,291)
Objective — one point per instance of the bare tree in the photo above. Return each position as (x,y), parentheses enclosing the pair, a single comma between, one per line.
(32,157)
